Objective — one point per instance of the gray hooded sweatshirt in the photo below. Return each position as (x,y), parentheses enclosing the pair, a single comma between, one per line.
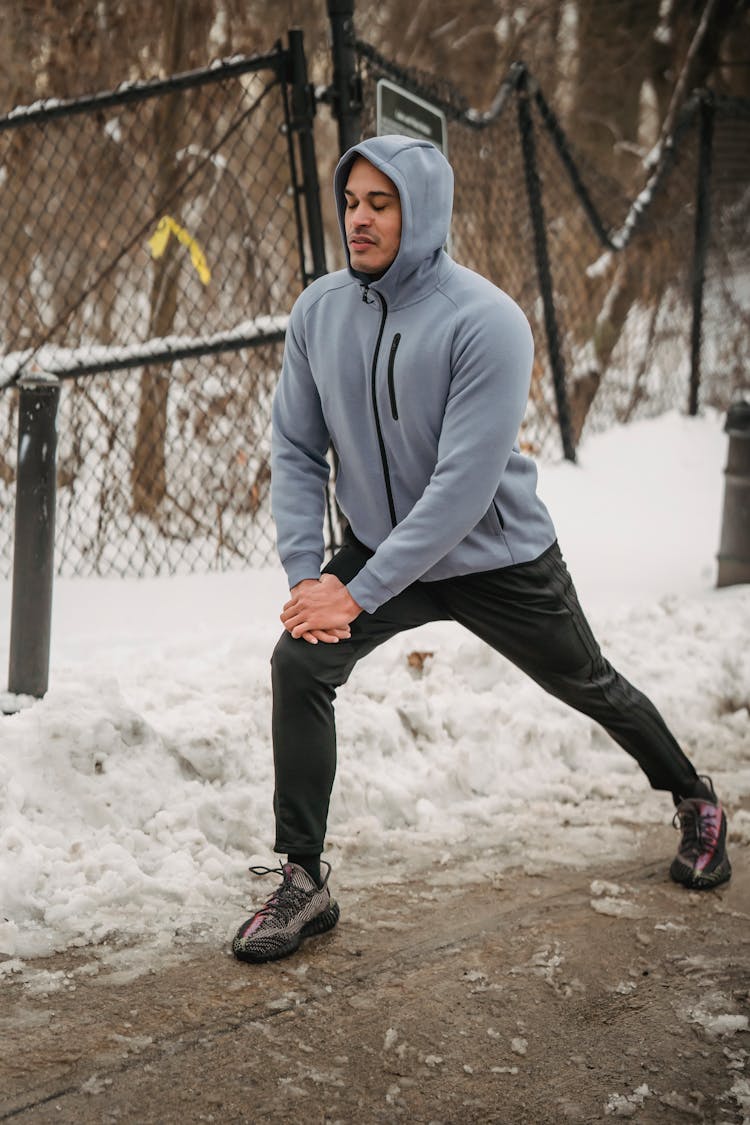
(419,380)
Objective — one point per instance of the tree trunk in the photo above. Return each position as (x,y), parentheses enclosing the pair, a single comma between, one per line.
(17,157)
(149,474)
(608,90)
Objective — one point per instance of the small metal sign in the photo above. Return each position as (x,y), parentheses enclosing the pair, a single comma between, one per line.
(399,111)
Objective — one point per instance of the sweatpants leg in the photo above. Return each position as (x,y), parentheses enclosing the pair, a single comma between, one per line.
(531,614)
(304,679)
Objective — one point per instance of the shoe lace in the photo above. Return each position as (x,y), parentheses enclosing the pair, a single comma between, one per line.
(700,830)
(287,900)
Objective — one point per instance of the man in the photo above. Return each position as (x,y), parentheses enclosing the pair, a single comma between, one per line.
(417,371)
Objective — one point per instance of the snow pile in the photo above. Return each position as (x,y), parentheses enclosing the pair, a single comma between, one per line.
(136,794)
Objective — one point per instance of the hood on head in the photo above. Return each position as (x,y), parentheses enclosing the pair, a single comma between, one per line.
(424,181)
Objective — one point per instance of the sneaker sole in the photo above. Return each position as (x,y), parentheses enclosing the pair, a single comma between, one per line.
(706,881)
(320,924)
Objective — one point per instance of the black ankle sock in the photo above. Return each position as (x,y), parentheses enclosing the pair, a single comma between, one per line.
(699,787)
(309,863)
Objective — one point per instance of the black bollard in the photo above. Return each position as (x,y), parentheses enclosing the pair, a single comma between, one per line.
(734,548)
(34,545)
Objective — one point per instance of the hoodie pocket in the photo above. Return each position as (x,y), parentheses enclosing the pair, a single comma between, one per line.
(493,520)
(392,377)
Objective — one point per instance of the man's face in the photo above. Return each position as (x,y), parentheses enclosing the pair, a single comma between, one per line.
(372,219)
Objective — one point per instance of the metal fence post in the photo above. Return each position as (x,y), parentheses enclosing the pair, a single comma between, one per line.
(700,245)
(536,210)
(301,122)
(303,113)
(347,88)
(33,551)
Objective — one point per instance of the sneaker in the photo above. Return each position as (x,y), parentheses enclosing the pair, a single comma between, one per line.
(297,909)
(701,861)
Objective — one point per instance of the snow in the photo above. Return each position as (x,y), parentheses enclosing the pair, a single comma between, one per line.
(627,1105)
(135,795)
(712,1015)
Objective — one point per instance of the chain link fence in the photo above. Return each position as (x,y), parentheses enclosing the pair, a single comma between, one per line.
(153,242)
(622,272)
(149,253)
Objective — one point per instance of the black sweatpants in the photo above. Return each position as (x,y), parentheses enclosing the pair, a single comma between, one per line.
(530,613)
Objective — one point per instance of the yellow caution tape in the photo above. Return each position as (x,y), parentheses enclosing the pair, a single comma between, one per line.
(159,239)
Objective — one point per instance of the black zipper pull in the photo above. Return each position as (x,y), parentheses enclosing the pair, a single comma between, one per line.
(366,294)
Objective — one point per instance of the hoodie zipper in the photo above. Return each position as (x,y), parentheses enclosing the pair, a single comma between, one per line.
(391,378)
(378,427)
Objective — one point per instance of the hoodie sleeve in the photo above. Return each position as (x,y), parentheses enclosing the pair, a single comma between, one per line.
(299,466)
(491,374)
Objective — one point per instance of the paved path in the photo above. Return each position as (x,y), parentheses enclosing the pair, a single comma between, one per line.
(526,1001)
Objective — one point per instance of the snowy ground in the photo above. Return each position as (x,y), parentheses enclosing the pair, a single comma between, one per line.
(136,794)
